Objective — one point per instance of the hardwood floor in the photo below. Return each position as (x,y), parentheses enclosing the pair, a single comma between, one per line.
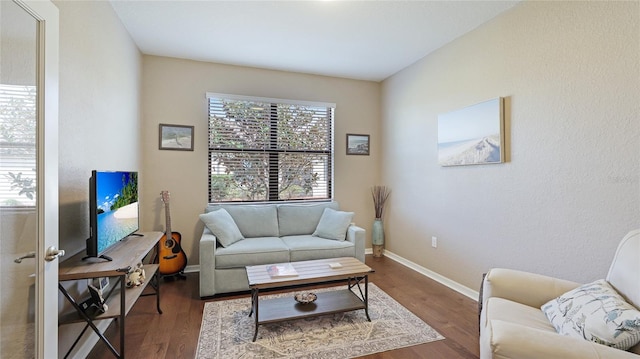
(174,334)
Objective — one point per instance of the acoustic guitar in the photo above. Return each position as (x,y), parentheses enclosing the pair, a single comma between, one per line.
(170,256)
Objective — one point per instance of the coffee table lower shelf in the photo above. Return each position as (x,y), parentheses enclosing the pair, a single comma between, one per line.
(279,309)
(276,310)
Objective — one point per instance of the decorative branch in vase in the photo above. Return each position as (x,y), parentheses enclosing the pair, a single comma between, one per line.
(380,195)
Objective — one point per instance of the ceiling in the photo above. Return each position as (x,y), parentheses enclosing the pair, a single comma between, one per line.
(365,40)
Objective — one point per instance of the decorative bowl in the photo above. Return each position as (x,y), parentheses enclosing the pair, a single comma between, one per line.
(305,298)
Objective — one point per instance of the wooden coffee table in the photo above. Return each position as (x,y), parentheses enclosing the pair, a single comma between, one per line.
(309,272)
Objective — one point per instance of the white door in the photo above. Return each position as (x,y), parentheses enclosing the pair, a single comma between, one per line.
(28,179)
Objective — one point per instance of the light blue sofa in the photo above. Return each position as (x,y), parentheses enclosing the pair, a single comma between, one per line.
(273,233)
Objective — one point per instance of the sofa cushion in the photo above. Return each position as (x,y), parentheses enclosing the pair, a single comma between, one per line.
(333,224)
(307,247)
(252,251)
(222,226)
(497,308)
(509,340)
(596,312)
(295,219)
(253,220)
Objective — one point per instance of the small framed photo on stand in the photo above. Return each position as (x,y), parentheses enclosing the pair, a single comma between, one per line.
(101,283)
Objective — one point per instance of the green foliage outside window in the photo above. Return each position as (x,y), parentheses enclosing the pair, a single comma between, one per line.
(265,151)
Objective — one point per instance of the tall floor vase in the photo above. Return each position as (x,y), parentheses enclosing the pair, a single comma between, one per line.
(377,237)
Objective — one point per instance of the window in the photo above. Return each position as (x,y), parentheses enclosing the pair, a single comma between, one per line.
(17,145)
(265,150)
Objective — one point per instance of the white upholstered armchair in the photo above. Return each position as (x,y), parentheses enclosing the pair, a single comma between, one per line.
(512,324)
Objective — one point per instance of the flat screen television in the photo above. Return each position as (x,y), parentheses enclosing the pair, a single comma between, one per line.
(113,209)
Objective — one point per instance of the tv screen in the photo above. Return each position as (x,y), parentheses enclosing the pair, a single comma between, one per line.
(113,209)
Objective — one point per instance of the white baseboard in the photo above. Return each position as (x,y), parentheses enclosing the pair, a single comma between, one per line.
(466,291)
(195,268)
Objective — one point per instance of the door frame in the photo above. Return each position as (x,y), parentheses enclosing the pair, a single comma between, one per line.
(46,310)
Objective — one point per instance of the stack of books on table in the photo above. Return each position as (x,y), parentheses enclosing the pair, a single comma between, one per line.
(281,270)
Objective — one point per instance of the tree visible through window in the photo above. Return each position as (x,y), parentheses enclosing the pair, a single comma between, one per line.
(269,150)
(17,145)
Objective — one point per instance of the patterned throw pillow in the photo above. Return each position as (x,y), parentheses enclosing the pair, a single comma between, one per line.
(595,312)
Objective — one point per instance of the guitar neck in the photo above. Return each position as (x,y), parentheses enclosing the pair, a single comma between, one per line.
(168,218)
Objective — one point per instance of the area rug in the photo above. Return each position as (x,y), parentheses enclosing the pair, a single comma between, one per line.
(227,330)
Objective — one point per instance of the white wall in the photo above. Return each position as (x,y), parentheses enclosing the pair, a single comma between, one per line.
(100,77)
(174,93)
(570,72)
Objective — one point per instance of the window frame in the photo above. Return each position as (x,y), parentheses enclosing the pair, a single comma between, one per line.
(273,151)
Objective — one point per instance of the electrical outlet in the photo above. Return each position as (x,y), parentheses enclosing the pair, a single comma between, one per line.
(434,242)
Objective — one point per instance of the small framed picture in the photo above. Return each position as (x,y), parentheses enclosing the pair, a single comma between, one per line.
(176,137)
(357,144)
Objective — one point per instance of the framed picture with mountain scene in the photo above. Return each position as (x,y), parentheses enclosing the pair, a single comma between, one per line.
(473,135)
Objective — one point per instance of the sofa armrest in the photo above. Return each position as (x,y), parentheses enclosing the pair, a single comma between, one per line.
(523,287)
(356,235)
(207,263)
(509,340)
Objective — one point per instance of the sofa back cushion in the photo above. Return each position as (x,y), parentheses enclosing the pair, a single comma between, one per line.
(252,220)
(298,219)
(624,273)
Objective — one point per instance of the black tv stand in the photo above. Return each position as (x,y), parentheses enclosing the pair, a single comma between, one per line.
(103,256)
(136,234)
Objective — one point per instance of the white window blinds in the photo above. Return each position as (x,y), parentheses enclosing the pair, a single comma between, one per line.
(269,149)
(17,145)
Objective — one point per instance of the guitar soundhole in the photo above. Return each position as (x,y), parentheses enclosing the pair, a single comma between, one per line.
(169,243)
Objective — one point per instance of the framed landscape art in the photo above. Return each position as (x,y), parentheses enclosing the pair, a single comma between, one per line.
(176,137)
(472,135)
(357,144)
